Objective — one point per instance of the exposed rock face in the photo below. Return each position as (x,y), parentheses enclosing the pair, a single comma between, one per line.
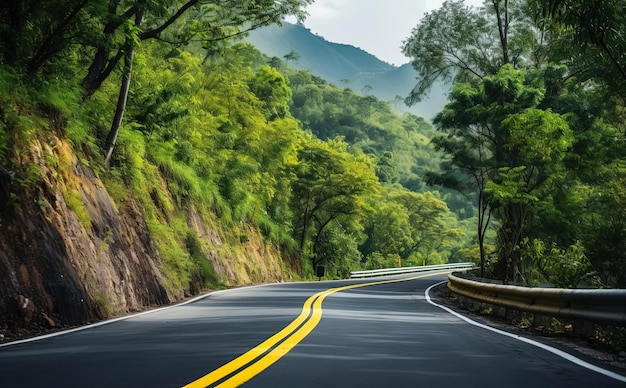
(55,271)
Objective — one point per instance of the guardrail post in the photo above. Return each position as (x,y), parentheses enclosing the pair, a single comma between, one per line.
(512,314)
(541,321)
(584,328)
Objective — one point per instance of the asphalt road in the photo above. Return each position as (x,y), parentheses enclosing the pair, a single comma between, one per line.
(320,334)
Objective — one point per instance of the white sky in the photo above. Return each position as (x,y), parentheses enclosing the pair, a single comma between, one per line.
(376,26)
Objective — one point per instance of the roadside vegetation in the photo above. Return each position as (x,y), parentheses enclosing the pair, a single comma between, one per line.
(522,172)
(187,120)
(534,131)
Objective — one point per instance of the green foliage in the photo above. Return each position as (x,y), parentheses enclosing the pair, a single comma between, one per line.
(75,202)
(271,88)
(102,305)
(509,187)
(203,275)
(388,231)
(399,145)
(504,147)
(542,147)
(586,36)
(563,268)
(541,135)
(323,172)
(5,146)
(330,187)
(611,337)
(416,228)
(338,251)
(176,262)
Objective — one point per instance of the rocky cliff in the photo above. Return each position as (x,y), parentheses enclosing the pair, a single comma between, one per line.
(61,268)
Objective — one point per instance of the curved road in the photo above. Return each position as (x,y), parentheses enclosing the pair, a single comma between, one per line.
(379,332)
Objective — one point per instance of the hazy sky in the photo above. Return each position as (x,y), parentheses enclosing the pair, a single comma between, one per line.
(376,26)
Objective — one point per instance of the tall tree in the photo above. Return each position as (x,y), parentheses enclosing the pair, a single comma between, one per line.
(456,43)
(431,224)
(215,21)
(495,131)
(331,186)
(588,35)
(293,56)
(181,22)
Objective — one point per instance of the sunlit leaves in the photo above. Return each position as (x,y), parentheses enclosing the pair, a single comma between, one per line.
(331,185)
(541,135)
(509,187)
(448,41)
(271,88)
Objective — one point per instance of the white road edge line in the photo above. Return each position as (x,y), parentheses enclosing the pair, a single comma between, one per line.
(109,321)
(548,348)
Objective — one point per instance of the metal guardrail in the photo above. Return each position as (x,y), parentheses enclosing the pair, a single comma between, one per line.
(606,306)
(401,270)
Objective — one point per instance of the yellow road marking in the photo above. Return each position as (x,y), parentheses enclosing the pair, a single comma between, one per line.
(292,333)
(252,354)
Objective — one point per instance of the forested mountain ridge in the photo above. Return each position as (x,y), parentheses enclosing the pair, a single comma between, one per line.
(331,61)
(344,65)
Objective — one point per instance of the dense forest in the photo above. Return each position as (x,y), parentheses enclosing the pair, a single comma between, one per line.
(535,128)
(522,172)
(166,106)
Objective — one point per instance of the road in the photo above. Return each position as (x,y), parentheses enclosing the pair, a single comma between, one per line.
(319,334)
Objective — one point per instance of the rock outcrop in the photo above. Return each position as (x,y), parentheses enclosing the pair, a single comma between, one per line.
(56,270)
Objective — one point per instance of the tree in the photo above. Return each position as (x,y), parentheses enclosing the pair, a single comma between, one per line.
(431,224)
(272,89)
(450,43)
(387,230)
(293,56)
(179,23)
(33,33)
(587,35)
(460,44)
(331,185)
(456,43)
(210,22)
(505,147)
(413,227)
(36,33)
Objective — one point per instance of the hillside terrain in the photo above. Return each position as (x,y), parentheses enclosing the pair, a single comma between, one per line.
(212,182)
(147,154)
(346,66)
(64,264)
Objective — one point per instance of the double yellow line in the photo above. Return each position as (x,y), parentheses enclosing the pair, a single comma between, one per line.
(261,357)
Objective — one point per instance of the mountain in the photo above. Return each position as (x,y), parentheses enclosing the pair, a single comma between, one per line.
(345,65)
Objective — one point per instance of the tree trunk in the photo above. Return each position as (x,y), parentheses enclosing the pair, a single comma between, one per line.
(121,102)
(100,68)
(503,28)
(484,217)
(509,239)
(102,65)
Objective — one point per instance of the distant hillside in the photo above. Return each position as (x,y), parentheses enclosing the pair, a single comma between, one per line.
(345,65)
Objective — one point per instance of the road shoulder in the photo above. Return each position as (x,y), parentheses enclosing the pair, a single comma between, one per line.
(613,359)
